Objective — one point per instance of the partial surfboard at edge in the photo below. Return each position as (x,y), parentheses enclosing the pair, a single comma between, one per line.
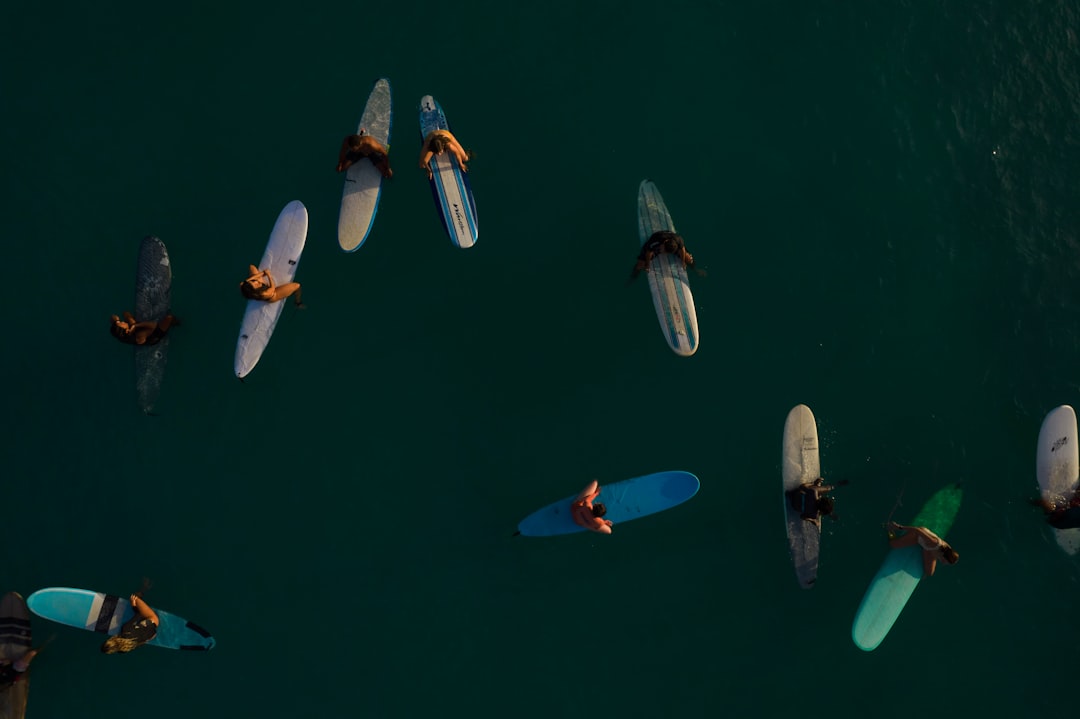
(15,640)
(1057,467)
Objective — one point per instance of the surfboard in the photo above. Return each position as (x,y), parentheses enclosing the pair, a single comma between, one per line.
(15,640)
(363,182)
(894,583)
(625,500)
(667,276)
(801,464)
(107,613)
(281,257)
(449,185)
(1057,467)
(153,295)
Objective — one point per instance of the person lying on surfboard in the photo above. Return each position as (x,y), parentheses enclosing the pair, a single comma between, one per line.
(588,515)
(136,631)
(435,144)
(13,671)
(1061,516)
(933,546)
(811,498)
(356,147)
(260,286)
(658,243)
(128,331)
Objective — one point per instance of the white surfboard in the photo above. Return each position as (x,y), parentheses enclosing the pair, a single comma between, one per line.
(801,465)
(363,181)
(1057,467)
(667,276)
(281,258)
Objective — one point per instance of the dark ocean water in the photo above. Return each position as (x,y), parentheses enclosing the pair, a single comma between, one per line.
(884,199)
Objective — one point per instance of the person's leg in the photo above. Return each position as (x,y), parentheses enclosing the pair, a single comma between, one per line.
(905,540)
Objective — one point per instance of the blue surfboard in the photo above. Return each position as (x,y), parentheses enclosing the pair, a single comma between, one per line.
(625,500)
(449,185)
(106,613)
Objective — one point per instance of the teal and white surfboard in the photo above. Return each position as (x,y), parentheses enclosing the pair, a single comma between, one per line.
(107,613)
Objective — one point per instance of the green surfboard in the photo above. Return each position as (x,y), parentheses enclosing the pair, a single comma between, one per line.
(900,574)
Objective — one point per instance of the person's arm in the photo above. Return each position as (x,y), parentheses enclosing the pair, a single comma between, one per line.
(144,610)
(129,318)
(459,153)
(343,162)
(591,491)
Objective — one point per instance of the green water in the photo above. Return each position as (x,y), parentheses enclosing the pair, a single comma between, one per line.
(884,199)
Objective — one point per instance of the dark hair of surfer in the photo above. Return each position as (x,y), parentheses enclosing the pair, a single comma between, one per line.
(439,143)
(599,510)
(951,555)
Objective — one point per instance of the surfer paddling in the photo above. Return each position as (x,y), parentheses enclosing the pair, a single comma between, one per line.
(589,515)
(813,501)
(438,142)
(659,243)
(356,147)
(933,547)
(136,631)
(130,332)
(12,671)
(1065,515)
(260,286)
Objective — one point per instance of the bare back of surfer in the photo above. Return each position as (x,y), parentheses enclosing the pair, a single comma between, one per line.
(356,147)
(587,514)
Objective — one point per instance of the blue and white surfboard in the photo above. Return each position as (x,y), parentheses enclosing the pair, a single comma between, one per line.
(449,185)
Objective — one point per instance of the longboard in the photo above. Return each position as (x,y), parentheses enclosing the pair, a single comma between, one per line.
(107,613)
(1057,467)
(153,295)
(894,583)
(363,181)
(625,500)
(667,276)
(449,185)
(281,257)
(15,639)
(801,464)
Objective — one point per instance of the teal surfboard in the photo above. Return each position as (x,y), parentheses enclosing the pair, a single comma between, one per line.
(106,613)
(14,643)
(625,500)
(900,574)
